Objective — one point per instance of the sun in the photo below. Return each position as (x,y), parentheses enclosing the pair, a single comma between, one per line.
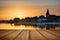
(20,14)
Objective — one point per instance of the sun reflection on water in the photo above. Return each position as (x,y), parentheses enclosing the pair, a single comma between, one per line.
(17,27)
(27,27)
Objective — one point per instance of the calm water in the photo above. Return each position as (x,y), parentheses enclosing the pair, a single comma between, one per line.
(28,27)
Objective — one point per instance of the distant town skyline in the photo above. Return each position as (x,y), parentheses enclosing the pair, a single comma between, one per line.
(10,9)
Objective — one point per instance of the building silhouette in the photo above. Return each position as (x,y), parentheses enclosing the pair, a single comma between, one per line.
(52,17)
(47,13)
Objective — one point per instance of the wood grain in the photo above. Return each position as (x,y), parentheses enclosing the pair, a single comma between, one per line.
(29,34)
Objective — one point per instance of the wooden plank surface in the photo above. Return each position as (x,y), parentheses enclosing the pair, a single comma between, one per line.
(29,34)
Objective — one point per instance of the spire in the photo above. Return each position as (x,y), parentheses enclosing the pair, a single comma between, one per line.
(47,13)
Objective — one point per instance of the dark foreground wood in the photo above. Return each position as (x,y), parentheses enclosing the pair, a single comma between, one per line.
(29,34)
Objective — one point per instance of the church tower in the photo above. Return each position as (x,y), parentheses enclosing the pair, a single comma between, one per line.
(47,13)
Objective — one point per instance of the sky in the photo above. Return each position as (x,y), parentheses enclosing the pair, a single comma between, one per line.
(9,9)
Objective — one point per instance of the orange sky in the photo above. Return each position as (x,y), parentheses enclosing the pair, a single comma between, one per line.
(25,11)
(27,8)
(21,12)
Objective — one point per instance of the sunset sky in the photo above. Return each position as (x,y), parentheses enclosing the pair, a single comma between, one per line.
(10,9)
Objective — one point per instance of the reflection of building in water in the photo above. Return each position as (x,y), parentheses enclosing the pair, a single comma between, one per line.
(50,27)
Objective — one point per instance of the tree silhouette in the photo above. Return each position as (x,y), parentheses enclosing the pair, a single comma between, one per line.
(35,17)
(16,20)
(41,16)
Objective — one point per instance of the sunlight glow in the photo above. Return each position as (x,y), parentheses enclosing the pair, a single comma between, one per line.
(20,14)
(17,27)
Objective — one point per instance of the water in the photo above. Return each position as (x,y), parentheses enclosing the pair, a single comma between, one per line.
(17,27)
(4,26)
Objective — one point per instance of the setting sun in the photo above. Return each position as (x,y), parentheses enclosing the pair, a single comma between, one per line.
(20,14)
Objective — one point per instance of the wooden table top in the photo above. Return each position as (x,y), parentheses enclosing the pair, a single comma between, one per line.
(29,34)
